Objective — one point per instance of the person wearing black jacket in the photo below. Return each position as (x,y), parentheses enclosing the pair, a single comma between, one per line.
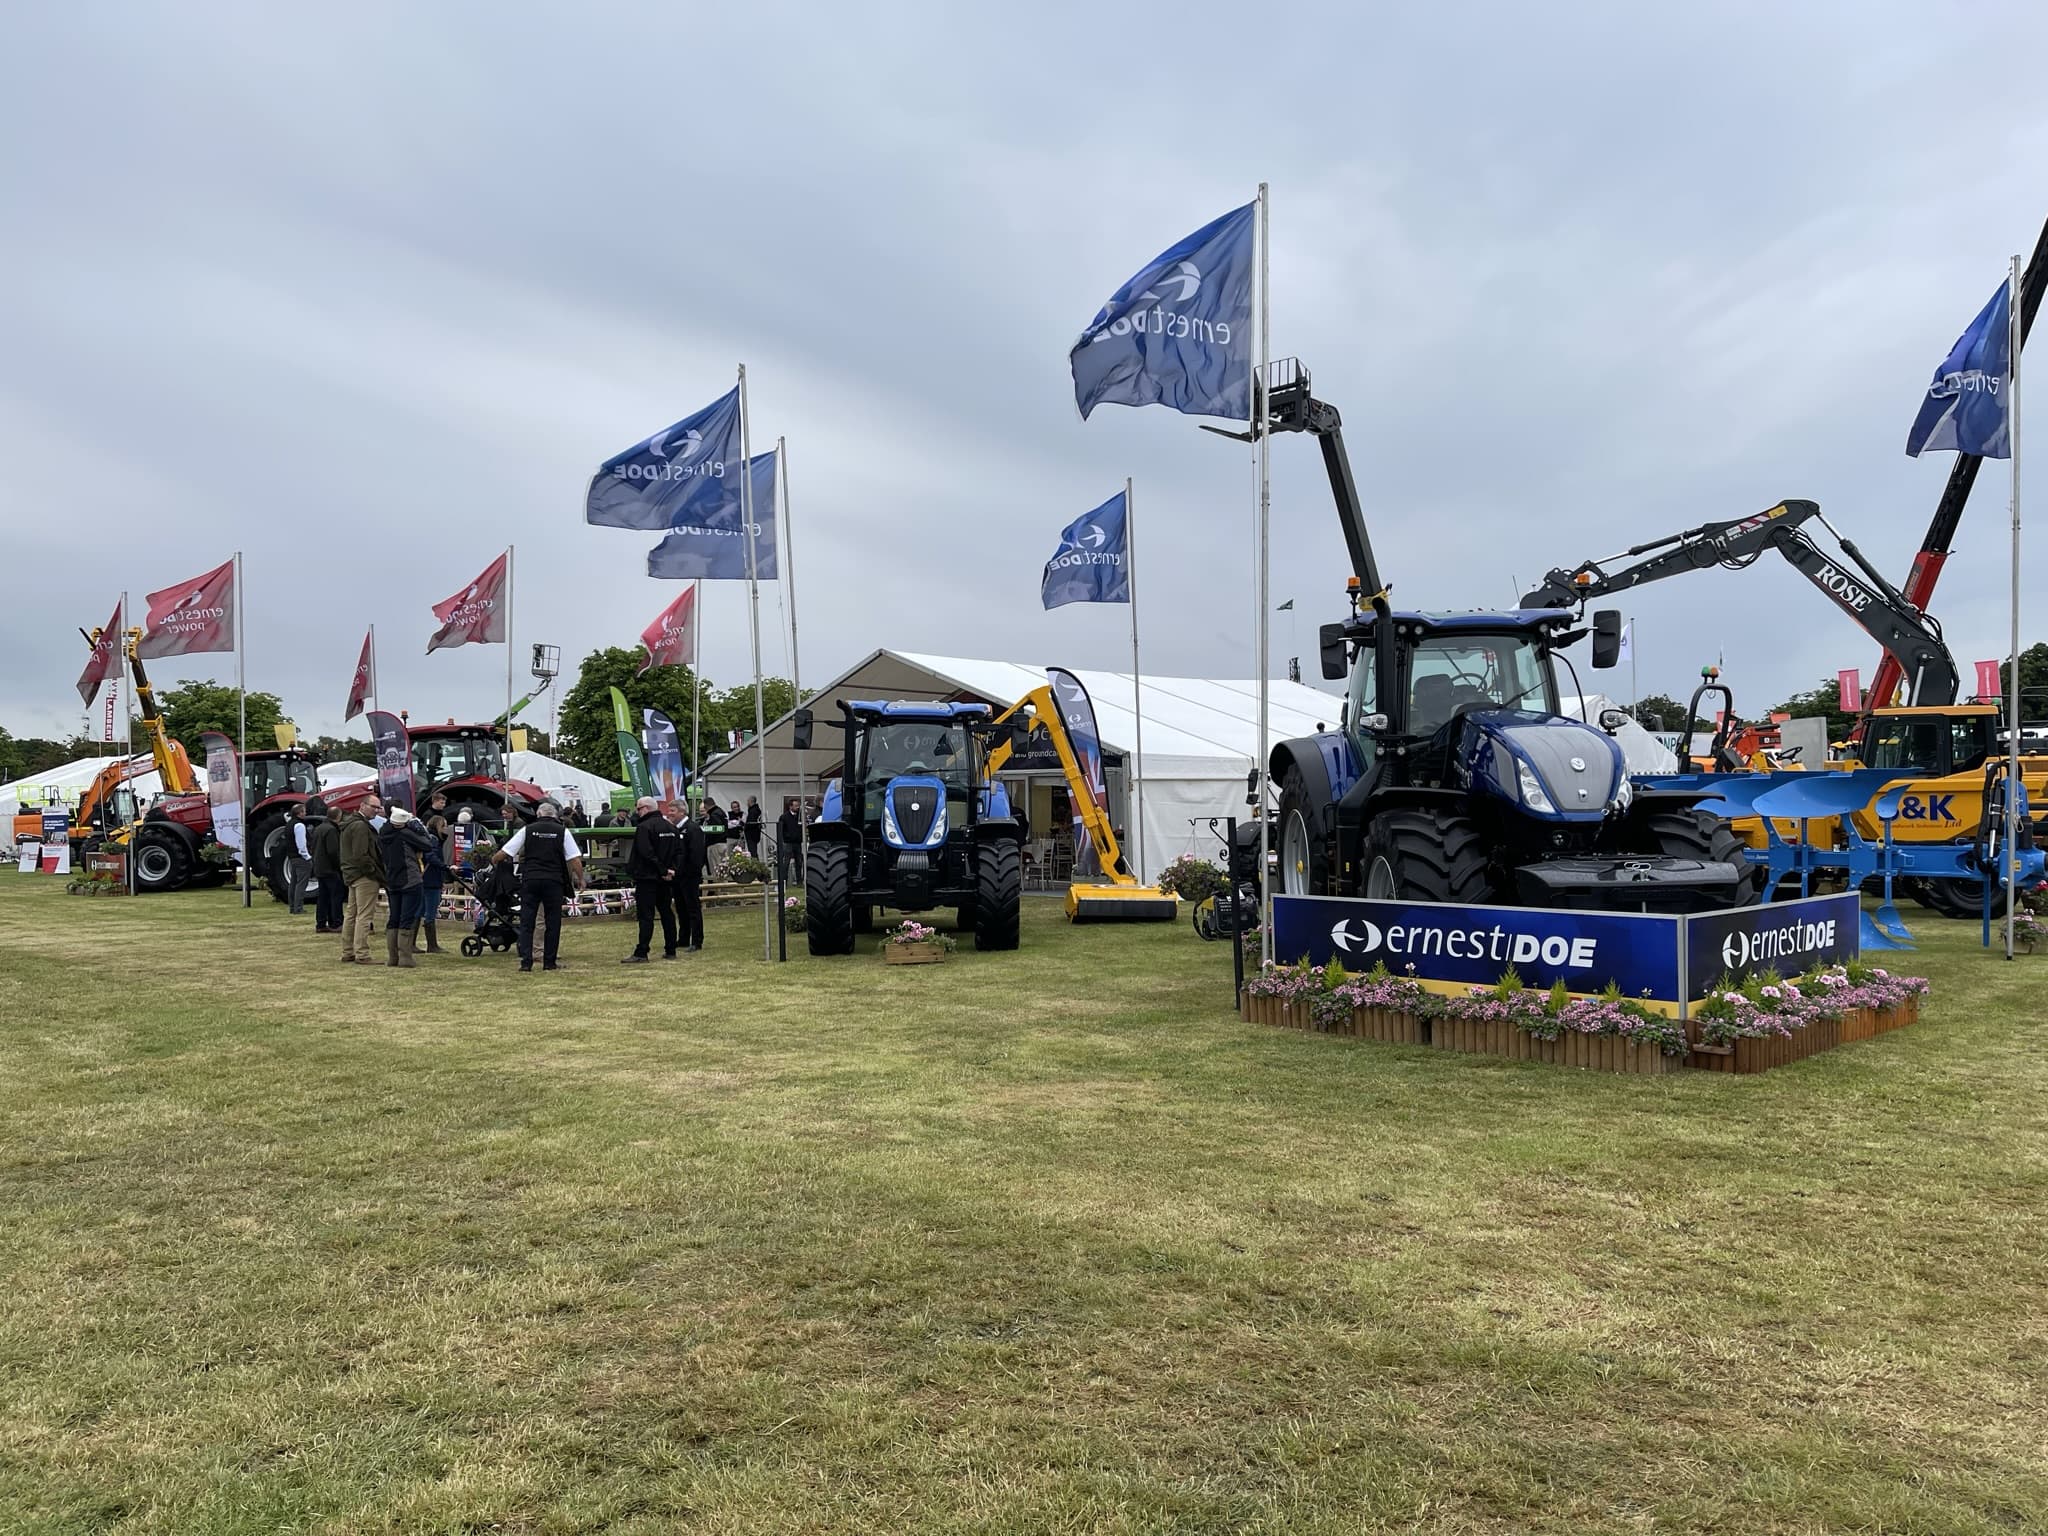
(752,824)
(406,846)
(789,844)
(693,849)
(652,864)
(323,842)
(550,863)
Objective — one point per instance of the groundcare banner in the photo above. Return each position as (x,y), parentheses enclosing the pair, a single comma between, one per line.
(393,744)
(664,756)
(632,757)
(1668,962)
(1077,710)
(224,789)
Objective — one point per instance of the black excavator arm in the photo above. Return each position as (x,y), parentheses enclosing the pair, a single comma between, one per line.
(1852,584)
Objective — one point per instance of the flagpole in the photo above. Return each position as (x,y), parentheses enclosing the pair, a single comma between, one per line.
(510,814)
(373,674)
(1634,688)
(754,604)
(796,669)
(2012,706)
(1137,696)
(1262,433)
(242,726)
(696,688)
(125,689)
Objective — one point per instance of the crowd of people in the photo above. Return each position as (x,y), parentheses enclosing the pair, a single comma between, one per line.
(348,863)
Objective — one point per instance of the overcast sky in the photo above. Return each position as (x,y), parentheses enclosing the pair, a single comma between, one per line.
(366,292)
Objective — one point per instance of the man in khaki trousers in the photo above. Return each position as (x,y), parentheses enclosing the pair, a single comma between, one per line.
(362,867)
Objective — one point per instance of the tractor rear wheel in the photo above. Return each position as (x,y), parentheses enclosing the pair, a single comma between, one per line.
(163,861)
(1702,835)
(999,881)
(1964,898)
(1425,855)
(828,907)
(1304,867)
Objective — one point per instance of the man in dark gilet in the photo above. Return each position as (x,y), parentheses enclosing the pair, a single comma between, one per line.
(550,863)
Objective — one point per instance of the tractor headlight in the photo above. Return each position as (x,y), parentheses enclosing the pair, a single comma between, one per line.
(1534,796)
(1624,794)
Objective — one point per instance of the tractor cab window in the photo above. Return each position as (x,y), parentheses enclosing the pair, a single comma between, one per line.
(1450,672)
(1937,744)
(269,776)
(930,747)
(1363,700)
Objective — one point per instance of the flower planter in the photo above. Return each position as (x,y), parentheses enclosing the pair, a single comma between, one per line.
(913,954)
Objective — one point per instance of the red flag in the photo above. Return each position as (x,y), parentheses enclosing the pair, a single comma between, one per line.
(105,661)
(365,684)
(195,615)
(1988,685)
(672,637)
(1851,686)
(476,614)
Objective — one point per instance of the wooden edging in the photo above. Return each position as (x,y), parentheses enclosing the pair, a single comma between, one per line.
(1592,1053)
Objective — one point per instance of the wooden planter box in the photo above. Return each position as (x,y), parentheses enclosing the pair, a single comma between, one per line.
(1746,1057)
(913,954)
(1594,1053)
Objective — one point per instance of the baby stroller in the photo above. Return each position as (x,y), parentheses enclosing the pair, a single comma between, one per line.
(497,920)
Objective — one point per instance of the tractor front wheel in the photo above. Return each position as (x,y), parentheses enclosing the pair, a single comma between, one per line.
(163,860)
(1304,869)
(1703,835)
(999,894)
(1425,855)
(828,904)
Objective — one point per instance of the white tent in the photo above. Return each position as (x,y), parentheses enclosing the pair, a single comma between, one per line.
(564,781)
(1643,752)
(332,774)
(1201,738)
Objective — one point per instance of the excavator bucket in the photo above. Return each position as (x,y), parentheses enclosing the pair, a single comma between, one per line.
(1131,903)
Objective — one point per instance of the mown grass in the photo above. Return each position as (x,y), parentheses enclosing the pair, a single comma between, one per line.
(1040,1242)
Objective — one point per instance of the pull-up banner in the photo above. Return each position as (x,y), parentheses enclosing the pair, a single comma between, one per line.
(393,744)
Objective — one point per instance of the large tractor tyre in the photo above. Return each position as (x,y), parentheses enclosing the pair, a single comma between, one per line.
(1964,898)
(1426,855)
(270,844)
(999,893)
(1304,864)
(1702,835)
(828,910)
(163,860)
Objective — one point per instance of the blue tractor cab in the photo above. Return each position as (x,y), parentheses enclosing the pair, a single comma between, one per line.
(914,823)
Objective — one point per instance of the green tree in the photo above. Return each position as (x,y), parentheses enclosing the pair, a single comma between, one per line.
(1825,701)
(2033,681)
(733,708)
(11,757)
(339,749)
(1660,712)
(195,707)
(584,732)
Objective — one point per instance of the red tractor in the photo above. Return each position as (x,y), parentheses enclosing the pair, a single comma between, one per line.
(464,762)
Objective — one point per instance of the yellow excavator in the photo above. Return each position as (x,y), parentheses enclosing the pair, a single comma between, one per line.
(1118,897)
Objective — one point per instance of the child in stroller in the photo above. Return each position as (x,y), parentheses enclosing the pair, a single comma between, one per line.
(497,919)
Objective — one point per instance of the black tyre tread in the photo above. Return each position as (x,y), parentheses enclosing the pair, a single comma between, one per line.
(180,856)
(271,870)
(1436,856)
(1294,795)
(828,908)
(1703,835)
(999,895)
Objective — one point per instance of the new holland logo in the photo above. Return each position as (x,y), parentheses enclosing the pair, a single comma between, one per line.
(1361,936)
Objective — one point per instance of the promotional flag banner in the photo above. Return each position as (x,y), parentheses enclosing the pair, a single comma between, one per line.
(664,755)
(709,542)
(476,614)
(1849,684)
(195,615)
(656,483)
(364,687)
(393,745)
(632,757)
(224,788)
(1989,684)
(1092,564)
(104,664)
(1966,409)
(55,858)
(671,639)
(1627,652)
(107,725)
(1077,711)
(1179,333)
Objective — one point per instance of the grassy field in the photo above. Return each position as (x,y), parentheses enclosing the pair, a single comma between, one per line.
(1035,1242)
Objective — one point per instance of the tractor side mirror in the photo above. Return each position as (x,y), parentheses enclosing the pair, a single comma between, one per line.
(1372,725)
(1612,720)
(1607,638)
(1336,660)
(800,730)
(1020,736)
(1251,787)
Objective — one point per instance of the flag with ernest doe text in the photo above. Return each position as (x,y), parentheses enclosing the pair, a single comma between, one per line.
(707,541)
(105,660)
(193,616)
(1092,564)
(683,471)
(1966,407)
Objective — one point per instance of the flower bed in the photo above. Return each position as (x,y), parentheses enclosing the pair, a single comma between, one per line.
(1748,1027)
(913,943)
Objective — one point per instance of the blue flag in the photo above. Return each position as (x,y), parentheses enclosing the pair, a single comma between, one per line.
(1180,332)
(673,473)
(708,540)
(1093,562)
(1967,408)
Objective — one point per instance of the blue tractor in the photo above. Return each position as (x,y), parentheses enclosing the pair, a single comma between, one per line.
(1454,777)
(913,823)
